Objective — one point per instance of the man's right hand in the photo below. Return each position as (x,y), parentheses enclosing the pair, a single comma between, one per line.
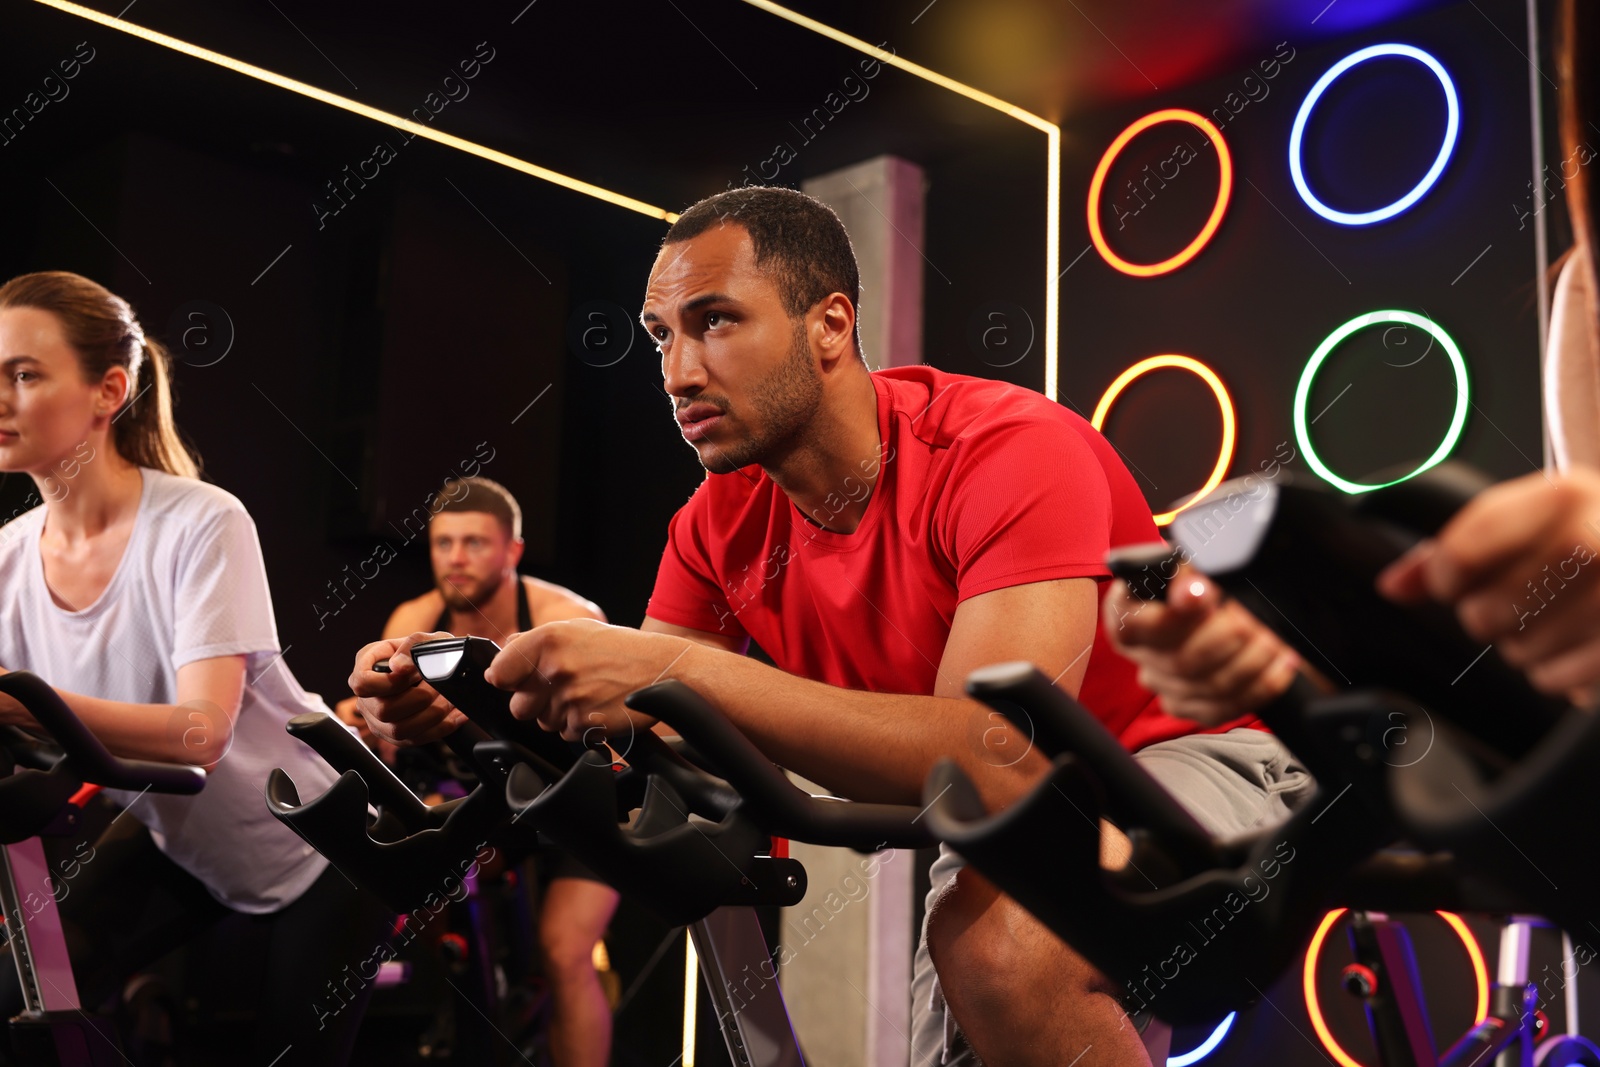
(399,706)
(1207,658)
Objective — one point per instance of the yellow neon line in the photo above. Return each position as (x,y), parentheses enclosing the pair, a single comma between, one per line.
(904,64)
(691,987)
(1052,265)
(344,103)
(1052,261)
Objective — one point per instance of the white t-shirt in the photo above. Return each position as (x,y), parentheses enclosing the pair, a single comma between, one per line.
(191,585)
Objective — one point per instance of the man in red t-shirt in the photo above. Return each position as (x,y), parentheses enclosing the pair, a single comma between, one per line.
(880,535)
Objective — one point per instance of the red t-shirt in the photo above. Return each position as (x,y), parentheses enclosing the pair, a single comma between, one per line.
(981,485)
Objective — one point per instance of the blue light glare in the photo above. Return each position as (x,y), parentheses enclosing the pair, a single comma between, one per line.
(1208,1047)
(1452,127)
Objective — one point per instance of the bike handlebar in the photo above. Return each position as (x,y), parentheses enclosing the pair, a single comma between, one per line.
(1263,891)
(1305,560)
(90,760)
(777,804)
(1059,724)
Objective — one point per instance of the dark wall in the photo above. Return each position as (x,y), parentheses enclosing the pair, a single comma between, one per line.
(1277,278)
(334,389)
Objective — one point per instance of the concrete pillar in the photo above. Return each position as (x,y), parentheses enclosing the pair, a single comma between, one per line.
(845,953)
(881,203)
(846,949)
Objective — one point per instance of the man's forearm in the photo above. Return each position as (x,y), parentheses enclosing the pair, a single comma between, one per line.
(862,745)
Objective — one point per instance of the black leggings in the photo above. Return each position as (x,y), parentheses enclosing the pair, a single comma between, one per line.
(130,905)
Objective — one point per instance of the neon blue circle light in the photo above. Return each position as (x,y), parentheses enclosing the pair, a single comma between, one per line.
(1296,137)
(1207,1048)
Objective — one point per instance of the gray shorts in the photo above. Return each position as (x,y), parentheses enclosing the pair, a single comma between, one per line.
(1229,782)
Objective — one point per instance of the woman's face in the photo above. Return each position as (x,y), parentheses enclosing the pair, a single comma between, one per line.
(46,407)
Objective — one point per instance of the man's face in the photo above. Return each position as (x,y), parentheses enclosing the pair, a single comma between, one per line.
(741,373)
(471,554)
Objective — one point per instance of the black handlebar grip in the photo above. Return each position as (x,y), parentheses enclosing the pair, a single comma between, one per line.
(1058,723)
(1286,715)
(29,751)
(457,674)
(465,739)
(90,759)
(777,804)
(1147,568)
(343,751)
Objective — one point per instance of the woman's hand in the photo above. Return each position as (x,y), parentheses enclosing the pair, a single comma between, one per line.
(1207,658)
(12,713)
(1518,564)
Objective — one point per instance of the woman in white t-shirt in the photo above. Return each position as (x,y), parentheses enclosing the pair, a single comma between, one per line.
(139,593)
(1520,564)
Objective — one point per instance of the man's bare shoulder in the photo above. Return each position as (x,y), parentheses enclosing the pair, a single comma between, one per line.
(414,615)
(548,601)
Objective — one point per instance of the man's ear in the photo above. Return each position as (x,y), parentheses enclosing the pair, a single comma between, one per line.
(514,552)
(832,325)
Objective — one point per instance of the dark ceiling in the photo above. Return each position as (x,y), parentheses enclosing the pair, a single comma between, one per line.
(665,100)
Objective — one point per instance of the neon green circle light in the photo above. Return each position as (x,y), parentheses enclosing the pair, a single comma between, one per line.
(1302,394)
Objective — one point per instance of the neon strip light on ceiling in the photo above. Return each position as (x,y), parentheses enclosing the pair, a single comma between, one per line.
(1052,132)
(1480,974)
(691,989)
(355,107)
(1224,187)
(1206,1047)
(1297,135)
(1302,395)
(1224,403)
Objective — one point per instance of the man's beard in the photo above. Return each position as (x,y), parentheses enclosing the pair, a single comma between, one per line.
(457,599)
(784,404)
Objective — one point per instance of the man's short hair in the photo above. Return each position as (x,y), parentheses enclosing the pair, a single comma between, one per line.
(484,495)
(797,238)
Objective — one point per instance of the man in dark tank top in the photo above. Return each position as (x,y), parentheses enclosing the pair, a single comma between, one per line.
(475,543)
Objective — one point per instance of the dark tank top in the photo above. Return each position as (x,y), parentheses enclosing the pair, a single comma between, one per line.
(524,616)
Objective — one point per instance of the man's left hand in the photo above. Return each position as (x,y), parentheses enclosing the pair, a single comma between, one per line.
(571,676)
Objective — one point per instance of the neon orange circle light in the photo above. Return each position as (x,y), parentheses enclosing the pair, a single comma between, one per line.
(1224,404)
(1224,188)
(1480,974)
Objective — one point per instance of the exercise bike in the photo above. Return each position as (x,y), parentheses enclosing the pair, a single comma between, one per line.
(43,794)
(1306,561)
(692,845)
